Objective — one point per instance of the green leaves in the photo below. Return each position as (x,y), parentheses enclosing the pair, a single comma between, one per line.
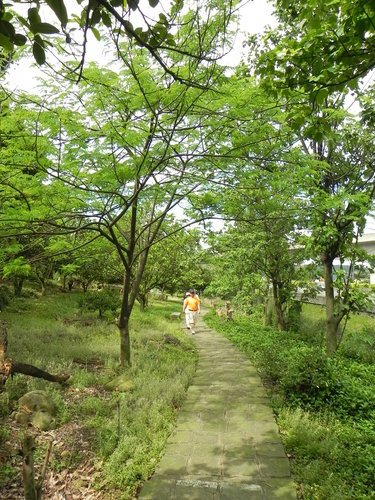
(133,4)
(33,16)
(321,95)
(96,33)
(10,38)
(44,28)
(8,35)
(59,9)
(319,44)
(7,29)
(19,39)
(38,50)
(6,43)
(16,267)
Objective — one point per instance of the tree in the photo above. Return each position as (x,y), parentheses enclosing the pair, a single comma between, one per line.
(341,192)
(260,250)
(258,191)
(207,22)
(319,47)
(80,260)
(337,157)
(20,188)
(170,261)
(130,154)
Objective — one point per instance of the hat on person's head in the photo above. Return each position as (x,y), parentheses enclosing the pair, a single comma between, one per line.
(191,291)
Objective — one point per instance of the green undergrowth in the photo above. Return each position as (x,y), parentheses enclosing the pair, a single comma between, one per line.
(125,431)
(325,406)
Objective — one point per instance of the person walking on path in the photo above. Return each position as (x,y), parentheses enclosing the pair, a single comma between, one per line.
(191,308)
(187,294)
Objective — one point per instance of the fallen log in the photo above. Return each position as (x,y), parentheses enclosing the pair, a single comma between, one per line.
(9,368)
(33,371)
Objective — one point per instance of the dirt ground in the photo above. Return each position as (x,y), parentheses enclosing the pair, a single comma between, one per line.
(72,471)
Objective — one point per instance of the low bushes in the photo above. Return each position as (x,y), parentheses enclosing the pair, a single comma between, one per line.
(331,459)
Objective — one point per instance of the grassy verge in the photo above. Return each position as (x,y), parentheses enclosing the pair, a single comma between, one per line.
(108,441)
(324,406)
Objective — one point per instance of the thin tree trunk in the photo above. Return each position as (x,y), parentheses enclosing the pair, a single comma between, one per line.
(280,320)
(143,302)
(42,282)
(32,488)
(17,285)
(123,323)
(125,343)
(28,468)
(332,321)
(267,308)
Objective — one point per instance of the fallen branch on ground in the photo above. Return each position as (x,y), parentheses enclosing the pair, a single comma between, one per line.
(9,368)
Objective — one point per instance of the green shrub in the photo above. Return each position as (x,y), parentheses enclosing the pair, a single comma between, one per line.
(359,345)
(308,376)
(294,316)
(101,300)
(354,395)
(329,459)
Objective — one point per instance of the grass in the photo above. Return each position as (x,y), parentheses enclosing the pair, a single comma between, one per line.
(358,340)
(122,433)
(324,406)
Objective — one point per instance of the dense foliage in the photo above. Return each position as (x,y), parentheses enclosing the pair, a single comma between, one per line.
(115,176)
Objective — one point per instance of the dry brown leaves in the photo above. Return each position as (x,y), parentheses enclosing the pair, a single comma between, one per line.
(73,468)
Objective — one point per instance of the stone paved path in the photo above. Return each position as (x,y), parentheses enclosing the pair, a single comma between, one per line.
(226,443)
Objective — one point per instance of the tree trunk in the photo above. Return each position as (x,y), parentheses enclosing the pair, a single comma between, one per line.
(143,301)
(42,282)
(28,468)
(280,320)
(332,321)
(17,285)
(124,342)
(268,311)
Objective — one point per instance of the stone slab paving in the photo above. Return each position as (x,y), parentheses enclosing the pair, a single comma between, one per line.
(226,444)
